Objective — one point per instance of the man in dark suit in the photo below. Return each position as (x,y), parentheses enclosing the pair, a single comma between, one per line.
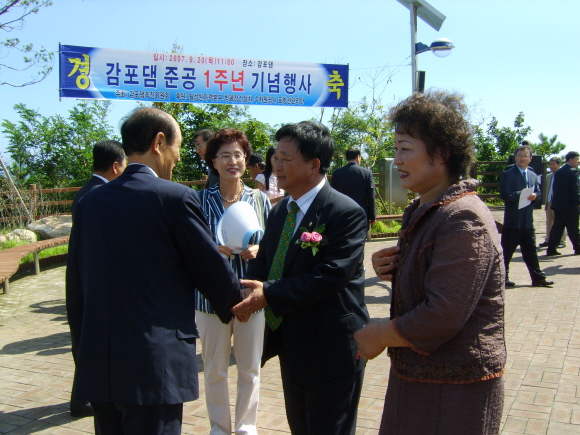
(109,161)
(317,288)
(357,183)
(554,164)
(200,140)
(139,247)
(518,225)
(566,205)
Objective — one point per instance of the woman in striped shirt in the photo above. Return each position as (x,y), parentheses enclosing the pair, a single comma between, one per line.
(227,155)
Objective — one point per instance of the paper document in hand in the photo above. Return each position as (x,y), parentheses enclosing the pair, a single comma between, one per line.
(524,201)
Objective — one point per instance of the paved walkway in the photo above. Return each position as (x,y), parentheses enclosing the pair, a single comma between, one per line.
(542,379)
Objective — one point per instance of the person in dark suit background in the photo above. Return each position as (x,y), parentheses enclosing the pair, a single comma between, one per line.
(518,225)
(139,247)
(319,293)
(109,161)
(566,205)
(200,140)
(554,164)
(357,183)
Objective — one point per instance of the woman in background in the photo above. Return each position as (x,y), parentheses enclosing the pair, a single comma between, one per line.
(256,165)
(227,154)
(445,336)
(267,181)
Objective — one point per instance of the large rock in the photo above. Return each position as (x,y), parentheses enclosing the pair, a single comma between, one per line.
(19,235)
(52,226)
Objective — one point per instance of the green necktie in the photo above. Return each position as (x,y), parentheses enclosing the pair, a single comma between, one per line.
(278,263)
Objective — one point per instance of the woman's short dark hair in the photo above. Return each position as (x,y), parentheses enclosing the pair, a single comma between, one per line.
(224,136)
(438,119)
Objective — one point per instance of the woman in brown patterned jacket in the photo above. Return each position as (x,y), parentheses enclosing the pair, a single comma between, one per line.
(446,332)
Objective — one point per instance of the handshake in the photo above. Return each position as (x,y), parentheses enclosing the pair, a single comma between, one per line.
(254,299)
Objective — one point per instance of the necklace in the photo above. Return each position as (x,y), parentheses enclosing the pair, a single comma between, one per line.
(237,198)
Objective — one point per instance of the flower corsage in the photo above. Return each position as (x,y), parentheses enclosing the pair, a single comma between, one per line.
(312,240)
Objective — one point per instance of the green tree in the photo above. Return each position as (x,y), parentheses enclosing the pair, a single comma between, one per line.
(508,139)
(192,118)
(13,14)
(494,144)
(548,146)
(363,126)
(55,151)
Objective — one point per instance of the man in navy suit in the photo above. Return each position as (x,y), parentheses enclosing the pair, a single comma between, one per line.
(518,225)
(566,204)
(319,293)
(109,161)
(139,247)
(357,183)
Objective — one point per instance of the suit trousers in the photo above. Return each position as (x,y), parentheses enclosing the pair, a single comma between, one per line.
(329,407)
(550,222)
(526,239)
(216,341)
(565,219)
(118,419)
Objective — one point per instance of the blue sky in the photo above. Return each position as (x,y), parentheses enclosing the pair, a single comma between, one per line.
(510,56)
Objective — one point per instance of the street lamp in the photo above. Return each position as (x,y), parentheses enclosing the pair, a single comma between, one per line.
(440,47)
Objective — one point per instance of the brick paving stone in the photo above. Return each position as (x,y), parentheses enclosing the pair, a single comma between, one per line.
(557,428)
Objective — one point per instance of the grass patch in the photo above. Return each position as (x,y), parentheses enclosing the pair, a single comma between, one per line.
(389,226)
(48,252)
(493,202)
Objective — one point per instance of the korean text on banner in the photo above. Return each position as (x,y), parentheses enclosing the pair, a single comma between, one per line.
(111,74)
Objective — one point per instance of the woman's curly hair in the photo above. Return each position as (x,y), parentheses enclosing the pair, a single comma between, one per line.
(438,119)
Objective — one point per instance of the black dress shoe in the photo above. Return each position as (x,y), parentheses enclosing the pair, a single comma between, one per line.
(509,283)
(561,245)
(542,283)
(551,253)
(80,408)
(543,245)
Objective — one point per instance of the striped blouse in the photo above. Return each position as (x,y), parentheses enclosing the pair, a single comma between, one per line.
(213,210)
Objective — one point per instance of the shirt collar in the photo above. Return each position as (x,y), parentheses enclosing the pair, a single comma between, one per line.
(305,200)
(152,171)
(101,177)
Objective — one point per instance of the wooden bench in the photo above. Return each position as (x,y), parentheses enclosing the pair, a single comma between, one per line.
(10,258)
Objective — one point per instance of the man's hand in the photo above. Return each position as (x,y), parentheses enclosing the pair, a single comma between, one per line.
(532,197)
(254,301)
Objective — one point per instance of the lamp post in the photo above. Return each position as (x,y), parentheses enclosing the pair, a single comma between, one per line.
(440,47)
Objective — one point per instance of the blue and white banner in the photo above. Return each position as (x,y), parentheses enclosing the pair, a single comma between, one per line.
(111,74)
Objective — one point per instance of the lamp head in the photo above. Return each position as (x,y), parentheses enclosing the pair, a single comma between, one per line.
(441,47)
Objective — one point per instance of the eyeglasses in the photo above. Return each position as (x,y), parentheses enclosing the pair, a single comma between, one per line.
(199,145)
(226,157)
